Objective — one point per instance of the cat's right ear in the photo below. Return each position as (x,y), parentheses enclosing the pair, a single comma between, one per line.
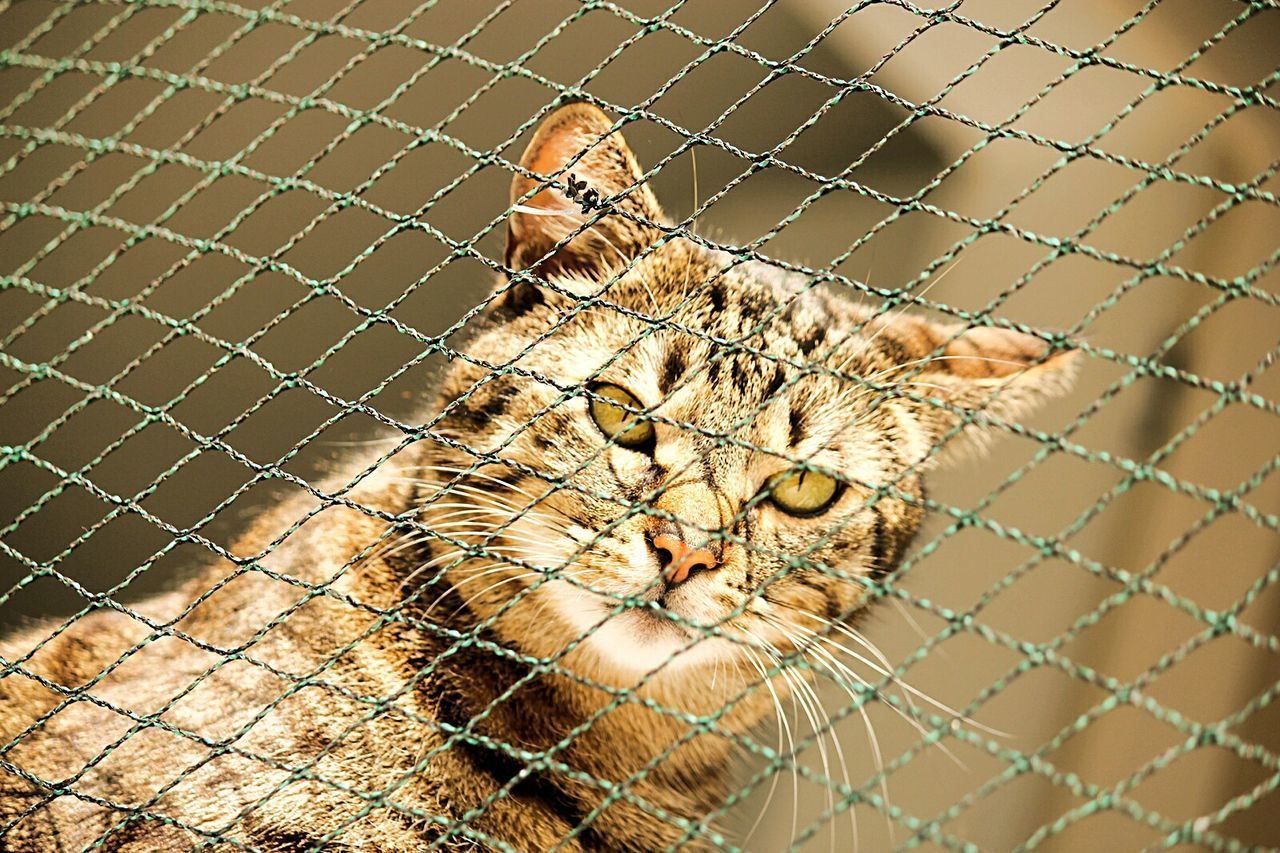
(956,370)
(545,232)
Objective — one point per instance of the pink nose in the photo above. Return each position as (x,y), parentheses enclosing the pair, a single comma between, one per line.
(678,560)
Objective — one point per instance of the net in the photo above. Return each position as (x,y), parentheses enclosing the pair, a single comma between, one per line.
(238,238)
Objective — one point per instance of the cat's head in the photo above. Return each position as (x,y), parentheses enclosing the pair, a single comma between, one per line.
(673,449)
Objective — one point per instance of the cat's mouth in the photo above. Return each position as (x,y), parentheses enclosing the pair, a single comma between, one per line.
(657,615)
(648,625)
(640,639)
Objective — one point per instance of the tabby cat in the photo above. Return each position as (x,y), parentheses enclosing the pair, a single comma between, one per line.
(497,638)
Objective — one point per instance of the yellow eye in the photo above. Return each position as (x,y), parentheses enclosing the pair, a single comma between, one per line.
(625,428)
(802,492)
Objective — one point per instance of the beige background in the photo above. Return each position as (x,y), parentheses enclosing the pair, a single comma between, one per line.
(1213,568)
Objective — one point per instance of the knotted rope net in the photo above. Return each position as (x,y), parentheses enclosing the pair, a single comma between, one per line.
(238,235)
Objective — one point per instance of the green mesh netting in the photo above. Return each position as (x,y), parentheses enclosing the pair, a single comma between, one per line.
(238,236)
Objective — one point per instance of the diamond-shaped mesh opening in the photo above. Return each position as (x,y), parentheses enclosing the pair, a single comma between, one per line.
(311,500)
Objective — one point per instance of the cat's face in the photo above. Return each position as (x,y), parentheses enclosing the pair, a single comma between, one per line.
(700,454)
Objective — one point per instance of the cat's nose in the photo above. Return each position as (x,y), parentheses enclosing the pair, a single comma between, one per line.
(678,560)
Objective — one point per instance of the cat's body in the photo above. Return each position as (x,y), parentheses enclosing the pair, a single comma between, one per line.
(309,727)
(448,681)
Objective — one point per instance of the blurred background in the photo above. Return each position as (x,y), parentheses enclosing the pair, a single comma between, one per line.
(176,176)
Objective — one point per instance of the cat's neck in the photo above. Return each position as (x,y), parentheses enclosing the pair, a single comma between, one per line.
(584,740)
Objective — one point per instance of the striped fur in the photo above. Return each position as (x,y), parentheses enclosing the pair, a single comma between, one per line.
(311,703)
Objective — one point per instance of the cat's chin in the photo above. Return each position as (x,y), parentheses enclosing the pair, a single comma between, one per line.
(638,643)
(635,643)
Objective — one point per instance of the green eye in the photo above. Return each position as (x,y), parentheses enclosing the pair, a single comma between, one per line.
(626,428)
(802,492)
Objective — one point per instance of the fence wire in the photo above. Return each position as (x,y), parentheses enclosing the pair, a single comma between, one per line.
(169,187)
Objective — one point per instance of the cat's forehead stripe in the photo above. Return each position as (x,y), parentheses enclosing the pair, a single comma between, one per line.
(795,423)
(673,367)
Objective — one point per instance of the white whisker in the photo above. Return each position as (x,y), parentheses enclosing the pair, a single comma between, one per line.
(488,568)
(451,555)
(786,728)
(543,211)
(803,647)
(496,512)
(493,587)
(809,703)
(886,670)
(465,472)
(747,655)
(871,735)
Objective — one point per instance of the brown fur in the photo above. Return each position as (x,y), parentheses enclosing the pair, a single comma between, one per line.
(363,686)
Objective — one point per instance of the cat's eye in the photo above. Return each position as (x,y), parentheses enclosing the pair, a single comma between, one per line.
(625,428)
(802,492)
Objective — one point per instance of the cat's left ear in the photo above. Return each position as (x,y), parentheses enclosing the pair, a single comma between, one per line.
(957,369)
(605,167)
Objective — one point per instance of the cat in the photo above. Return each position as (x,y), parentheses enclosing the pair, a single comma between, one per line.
(653,468)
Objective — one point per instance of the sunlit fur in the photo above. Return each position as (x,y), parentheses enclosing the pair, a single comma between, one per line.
(745,371)
(509,637)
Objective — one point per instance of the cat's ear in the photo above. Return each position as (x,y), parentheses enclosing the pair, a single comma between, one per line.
(964,372)
(574,144)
